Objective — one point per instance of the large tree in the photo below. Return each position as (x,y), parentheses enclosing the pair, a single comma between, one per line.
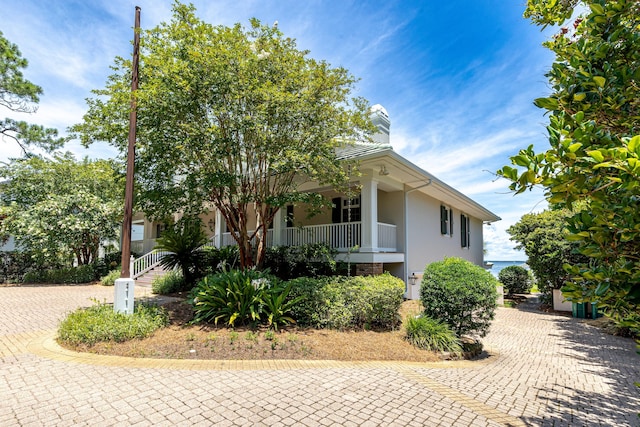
(18,94)
(542,237)
(232,117)
(61,209)
(594,114)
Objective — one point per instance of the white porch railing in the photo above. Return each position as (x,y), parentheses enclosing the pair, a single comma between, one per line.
(146,262)
(342,237)
(387,235)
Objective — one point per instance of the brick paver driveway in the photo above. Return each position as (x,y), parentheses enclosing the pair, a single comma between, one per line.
(546,371)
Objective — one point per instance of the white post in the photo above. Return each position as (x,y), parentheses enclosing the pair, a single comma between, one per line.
(124,292)
(369,215)
(277,228)
(218,230)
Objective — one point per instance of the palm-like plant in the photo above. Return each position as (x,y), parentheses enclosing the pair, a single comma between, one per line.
(183,241)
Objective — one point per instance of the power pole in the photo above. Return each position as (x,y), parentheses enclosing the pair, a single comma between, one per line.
(124,287)
(131,154)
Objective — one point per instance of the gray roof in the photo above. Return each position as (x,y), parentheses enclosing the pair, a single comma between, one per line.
(360,149)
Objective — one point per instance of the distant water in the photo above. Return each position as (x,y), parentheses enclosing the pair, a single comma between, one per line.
(499,265)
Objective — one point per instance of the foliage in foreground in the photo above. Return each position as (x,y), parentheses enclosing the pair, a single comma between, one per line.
(101,323)
(169,283)
(594,146)
(516,279)
(242,297)
(461,294)
(431,334)
(348,302)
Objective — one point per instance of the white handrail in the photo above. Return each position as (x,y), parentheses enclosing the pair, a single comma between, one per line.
(147,262)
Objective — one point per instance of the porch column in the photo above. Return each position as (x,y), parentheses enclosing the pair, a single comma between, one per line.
(217,233)
(369,215)
(277,228)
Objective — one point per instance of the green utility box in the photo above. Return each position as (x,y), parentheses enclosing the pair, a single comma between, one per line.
(585,310)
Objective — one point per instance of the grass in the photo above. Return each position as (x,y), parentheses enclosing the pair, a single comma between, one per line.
(180,340)
(100,323)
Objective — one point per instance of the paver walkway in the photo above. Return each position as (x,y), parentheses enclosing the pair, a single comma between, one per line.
(549,371)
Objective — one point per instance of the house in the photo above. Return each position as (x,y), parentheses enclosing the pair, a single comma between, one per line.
(401,219)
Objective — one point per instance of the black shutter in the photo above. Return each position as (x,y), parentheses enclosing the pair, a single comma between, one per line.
(336,210)
(451,222)
(463,231)
(468,232)
(443,220)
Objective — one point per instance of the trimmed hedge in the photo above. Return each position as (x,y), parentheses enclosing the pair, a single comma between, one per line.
(348,302)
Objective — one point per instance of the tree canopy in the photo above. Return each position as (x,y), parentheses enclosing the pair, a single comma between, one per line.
(594,115)
(230,117)
(542,237)
(61,209)
(20,95)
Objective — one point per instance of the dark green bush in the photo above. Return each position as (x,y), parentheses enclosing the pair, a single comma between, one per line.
(461,294)
(171,282)
(15,264)
(290,262)
(215,260)
(101,323)
(431,334)
(80,274)
(516,279)
(341,302)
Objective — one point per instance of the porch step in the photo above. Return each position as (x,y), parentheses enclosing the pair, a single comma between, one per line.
(147,278)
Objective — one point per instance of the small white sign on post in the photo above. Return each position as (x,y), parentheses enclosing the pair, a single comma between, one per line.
(123,299)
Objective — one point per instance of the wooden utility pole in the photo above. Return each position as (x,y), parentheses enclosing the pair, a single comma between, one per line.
(131,153)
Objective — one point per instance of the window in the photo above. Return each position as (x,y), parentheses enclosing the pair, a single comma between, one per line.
(351,210)
(465,231)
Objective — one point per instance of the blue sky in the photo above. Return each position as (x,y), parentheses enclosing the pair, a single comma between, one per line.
(457,78)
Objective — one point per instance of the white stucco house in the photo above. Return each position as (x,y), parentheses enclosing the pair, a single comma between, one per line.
(401,219)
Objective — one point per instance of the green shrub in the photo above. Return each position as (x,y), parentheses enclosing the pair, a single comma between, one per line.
(15,264)
(340,302)
(171,282)
(80,274)
(431,334)
(516,279)
(215,260)
(461,294)
(242,296)
(101,323)
(110,279)
(311,260)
